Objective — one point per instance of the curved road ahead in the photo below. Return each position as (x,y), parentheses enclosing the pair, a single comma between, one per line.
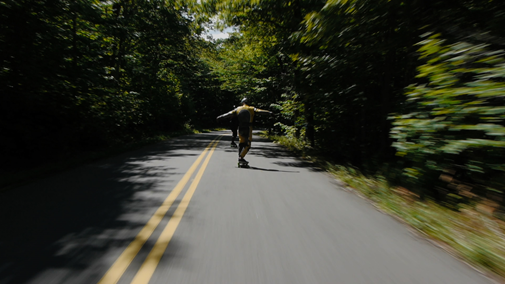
(182,212)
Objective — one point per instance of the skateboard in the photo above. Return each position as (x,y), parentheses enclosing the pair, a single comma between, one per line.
(233,145)
(243,165)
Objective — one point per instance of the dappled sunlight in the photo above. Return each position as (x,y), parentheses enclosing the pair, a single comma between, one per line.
(88,212)
(109,108)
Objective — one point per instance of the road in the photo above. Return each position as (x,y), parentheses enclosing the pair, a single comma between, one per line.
(182,212)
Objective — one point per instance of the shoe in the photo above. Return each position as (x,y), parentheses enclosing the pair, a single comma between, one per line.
(233,144)
(242,161)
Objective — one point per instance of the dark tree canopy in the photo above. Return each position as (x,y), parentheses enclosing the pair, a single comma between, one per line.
(416,85)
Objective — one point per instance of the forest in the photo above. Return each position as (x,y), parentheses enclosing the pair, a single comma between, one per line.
(413,90)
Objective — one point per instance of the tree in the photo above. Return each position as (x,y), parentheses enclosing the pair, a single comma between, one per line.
(91,74)
(457,118)
(269,25)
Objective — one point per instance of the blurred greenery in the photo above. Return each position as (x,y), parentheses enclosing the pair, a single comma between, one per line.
(408,91)
(88,75)
(457,119)
(409,88)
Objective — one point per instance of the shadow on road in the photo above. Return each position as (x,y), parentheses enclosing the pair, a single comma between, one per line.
(269,150)
(64,222)
(270,170)
(301,164)
(265,148)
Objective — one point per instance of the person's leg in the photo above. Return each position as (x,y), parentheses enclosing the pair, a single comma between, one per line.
(233,135)
(247,143)
(243,146)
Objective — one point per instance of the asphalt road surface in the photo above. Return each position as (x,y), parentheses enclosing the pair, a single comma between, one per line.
(182,212)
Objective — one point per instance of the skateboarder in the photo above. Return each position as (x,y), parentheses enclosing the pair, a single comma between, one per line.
(245,114)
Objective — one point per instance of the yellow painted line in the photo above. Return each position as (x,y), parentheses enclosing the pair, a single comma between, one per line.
(147,269)
(121,264)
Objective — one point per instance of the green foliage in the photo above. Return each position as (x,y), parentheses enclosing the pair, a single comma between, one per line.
(91,74)
(357,61)
(336,72)
(457,117)
(245,70)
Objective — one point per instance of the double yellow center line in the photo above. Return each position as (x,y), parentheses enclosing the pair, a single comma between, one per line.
(151,262)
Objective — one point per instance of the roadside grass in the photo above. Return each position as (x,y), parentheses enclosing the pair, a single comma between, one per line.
(18,177)
(474,237)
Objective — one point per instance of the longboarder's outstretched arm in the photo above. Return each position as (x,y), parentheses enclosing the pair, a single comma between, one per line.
(261,111)
(225,115)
